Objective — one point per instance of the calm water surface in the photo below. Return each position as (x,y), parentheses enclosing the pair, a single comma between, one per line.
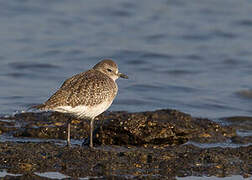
(194,56)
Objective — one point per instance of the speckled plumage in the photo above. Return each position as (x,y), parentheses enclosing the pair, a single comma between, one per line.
(89,89)
(88,94)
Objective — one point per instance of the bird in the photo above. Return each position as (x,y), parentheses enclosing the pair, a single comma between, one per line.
(86,95)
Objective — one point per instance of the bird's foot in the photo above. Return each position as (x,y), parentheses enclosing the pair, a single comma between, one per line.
(68,145)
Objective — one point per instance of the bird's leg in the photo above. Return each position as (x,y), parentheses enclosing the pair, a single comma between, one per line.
(68,132)
(91,132)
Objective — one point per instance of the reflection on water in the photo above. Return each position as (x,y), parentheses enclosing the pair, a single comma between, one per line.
(227,144)
(237,177)
(52,175)
(10,138)
(58,175)
(4,173)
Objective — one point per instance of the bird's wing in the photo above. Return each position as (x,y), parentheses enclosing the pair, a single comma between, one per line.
(88,88)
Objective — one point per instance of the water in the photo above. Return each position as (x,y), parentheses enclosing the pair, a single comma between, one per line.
(194,56)
(4,173)
(58,175)
(52,175)
(235,177)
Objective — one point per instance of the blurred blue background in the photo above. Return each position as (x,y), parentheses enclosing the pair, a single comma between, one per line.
(194,56)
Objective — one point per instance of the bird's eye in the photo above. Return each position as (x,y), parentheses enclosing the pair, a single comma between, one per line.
(109,70)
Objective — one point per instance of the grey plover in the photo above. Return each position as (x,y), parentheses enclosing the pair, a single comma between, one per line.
(86,95)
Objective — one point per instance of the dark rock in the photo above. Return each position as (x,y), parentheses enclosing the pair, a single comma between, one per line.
(122,161)
(240,122)
(146,145)
(163,127)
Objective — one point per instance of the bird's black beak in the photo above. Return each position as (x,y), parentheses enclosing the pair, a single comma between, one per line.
(123,76)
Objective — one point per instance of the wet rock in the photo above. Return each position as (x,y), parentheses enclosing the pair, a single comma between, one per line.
(239,122)
(162,127)
(50,126)
(242,140)
(125,161)
(7,125)
(145,145)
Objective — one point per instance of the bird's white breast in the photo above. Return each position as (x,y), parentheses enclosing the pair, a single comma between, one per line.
(82,111)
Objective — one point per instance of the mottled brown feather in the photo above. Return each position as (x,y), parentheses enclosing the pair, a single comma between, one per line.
(88,88)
